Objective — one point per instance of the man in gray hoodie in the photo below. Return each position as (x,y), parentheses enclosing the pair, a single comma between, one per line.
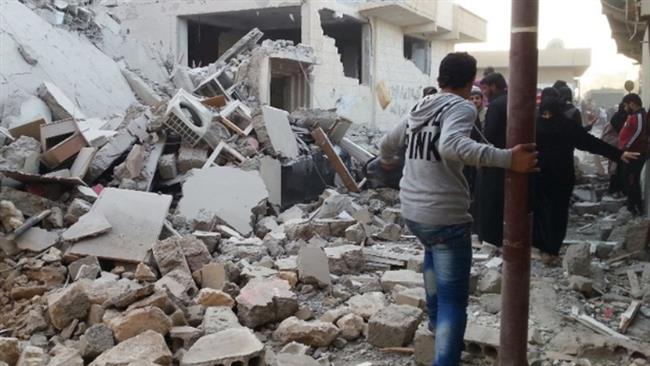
(435,196)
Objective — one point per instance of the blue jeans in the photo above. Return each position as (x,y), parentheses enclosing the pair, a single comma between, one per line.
(447,265)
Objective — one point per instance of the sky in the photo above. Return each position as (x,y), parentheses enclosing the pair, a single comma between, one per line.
(579,23)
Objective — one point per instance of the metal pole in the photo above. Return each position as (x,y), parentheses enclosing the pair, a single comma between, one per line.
(522,91)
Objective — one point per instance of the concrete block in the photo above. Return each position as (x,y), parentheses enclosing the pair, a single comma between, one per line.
(406,278)
(67,304)
(60,105)
(219,318)
(345,259)
(275,131)
(235,346)
(313,266)
(264,301)
(577,260)
(211,275)
(315,333)
(191,158)
(366,305)
(394,326)
(167,167)
(138,321)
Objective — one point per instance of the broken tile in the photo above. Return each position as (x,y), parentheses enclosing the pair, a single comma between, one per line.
(37,240)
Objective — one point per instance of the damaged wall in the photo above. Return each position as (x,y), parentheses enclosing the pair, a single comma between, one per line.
(166,25)
(59,57)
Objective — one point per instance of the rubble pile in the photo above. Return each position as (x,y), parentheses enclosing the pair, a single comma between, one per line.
(185,222)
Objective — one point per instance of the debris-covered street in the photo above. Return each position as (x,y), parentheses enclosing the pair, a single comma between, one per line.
(153,213)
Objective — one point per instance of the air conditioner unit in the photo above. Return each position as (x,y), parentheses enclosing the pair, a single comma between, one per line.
(188,117)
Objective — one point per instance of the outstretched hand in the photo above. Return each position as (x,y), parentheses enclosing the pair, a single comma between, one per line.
(628,156)
(524,158)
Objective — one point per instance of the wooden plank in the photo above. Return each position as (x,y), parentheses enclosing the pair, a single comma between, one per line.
(335,160)
(228,123)
(628,316)
(597,326)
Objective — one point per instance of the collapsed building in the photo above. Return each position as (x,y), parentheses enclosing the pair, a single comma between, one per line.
(165,204)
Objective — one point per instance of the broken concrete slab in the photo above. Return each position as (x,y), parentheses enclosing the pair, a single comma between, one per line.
(109,153)
(70,58)
(229,194)
(96,340)
(490,282)
(264,301)
(136,219)
(21,155)
(88,225)
(149,346)
(142,90)
(208,297)
(60,105)
(37,240)
(167,167)
(236,346)
(313,266)
(314,333)
(274,131)
(179,282)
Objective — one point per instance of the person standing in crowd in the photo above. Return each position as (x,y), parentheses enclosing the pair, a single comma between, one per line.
(557,138)
(491,181)
(470,172)
(610,135)
(634,137)
(435,197)
(566,104)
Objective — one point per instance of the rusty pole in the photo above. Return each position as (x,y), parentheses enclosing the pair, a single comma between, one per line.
(522,92)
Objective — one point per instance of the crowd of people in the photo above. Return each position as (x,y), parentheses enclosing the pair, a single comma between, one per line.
(452,147)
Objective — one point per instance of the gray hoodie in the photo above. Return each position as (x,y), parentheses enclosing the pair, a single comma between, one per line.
(436,134)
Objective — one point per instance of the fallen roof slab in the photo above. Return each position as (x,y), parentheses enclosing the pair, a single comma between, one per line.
(137,219)
(230,194)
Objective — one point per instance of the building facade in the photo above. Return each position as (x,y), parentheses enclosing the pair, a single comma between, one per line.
(358,44)
(554,64)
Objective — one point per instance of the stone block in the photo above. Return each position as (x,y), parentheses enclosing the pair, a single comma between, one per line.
(96,340)
(169,255)
(366,305)
(211,275)
(208,297)
(425,346)
(219,318)
(191,158)
(351,326)
(9,350)
(138,321)
(315,333)
(345,259)
(313,266)
(67,304)
(264,301)
(167,167)
(410,296)
(490,282)
(577,260)
(406,278)
(149,346)
(393,326)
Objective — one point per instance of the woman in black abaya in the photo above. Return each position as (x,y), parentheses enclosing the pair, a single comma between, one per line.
(557,138)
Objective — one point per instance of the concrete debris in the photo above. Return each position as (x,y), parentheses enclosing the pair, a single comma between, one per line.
(236,346)
(249,234)
(65,305)
(210,297)
(577,260)
(265,301)
(88,225)
(393,326)
(313,266)
(314,333)
(149,347)
(139,321)
(226,193)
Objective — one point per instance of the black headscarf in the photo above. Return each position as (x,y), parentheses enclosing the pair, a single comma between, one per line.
(552,105)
